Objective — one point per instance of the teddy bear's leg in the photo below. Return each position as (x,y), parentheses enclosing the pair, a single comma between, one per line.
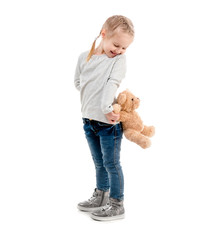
(137,137)
(148,131)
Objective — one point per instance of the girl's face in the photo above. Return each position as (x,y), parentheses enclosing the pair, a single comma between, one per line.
(116,44)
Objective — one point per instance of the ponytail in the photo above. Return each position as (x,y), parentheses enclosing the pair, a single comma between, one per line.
(92,50)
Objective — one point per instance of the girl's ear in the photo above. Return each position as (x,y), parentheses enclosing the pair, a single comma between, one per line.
(121,98)
(103,33)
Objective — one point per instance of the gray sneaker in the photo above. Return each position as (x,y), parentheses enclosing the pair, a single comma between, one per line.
(112,211)
(97,201)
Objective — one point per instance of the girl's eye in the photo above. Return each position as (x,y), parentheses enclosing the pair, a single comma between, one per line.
(116,45)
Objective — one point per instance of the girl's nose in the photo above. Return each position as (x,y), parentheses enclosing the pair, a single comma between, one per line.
(118,51)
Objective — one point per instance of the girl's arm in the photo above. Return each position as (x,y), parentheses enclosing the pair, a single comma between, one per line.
(112,84)
(77,75)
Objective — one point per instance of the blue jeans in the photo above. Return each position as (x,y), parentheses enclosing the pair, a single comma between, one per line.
(104,141)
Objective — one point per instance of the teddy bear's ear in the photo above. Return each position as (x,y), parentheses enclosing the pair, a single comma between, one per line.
(121,98)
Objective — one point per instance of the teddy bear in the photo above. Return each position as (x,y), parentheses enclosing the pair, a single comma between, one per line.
(133,127)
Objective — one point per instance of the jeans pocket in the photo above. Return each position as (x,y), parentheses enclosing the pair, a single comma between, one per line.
(118,130)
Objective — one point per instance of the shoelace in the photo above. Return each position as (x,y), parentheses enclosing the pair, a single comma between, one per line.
(106,207)
(94,196)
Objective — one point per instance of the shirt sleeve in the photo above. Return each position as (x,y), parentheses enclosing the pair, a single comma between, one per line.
(77,75)
(113,82)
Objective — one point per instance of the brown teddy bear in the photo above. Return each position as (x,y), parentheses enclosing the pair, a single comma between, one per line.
(134,129)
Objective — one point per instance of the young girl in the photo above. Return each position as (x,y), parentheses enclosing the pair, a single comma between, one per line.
(98,75)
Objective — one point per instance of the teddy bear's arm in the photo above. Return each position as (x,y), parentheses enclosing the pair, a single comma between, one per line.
(117,108)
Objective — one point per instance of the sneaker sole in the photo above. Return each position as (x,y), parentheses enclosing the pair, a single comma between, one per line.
(107,218)
(85,209)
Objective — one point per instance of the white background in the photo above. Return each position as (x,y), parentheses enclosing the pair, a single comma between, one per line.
(172,189)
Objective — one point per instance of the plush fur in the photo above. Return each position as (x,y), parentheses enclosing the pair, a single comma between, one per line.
(133,127)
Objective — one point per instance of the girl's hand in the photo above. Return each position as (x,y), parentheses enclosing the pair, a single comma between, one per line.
(112,117)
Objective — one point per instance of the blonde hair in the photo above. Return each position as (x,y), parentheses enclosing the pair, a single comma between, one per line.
(111,25)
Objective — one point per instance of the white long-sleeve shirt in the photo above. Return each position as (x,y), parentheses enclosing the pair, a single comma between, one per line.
(98,81)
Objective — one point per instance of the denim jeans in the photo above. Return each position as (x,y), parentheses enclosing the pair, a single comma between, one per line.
(104,141)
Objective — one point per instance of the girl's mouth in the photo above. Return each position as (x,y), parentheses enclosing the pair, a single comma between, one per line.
(113,53)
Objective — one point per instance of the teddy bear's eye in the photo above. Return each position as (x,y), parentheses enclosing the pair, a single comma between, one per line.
(132,99)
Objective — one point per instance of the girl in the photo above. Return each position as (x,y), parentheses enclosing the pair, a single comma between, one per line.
(98,75)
